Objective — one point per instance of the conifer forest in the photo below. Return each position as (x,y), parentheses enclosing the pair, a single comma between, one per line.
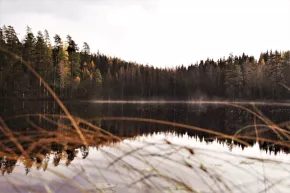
(74,72)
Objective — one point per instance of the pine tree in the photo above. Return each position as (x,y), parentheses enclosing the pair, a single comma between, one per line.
(250,79)
(286,70)
(13,69)
(84,56)
(59,59)
(233,79)
(12,42)
(40,51)
(47,38)
(3,58)
(29,49)
(73,57)
(48,58)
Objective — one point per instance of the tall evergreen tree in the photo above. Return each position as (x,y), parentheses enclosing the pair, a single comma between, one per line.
(85,56)
(73,57)
(70,71)
(29,50)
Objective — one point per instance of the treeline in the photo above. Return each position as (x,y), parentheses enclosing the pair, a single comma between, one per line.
(75,72)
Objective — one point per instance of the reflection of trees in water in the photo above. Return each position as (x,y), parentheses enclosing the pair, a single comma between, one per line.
(85,152)
(68,155)
(7,165)
(71,154)
(45,162)
(41,162)
(63,144)
(56,158)
(224,119)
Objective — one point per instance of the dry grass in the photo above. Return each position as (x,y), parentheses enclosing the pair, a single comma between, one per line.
(33,147)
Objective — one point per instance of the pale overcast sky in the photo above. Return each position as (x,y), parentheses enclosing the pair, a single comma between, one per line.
(159,32)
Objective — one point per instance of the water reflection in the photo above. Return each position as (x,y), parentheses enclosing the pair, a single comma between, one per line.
(162,162)
(38,132)
(211,116)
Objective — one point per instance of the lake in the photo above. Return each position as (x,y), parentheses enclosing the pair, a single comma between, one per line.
(144,146)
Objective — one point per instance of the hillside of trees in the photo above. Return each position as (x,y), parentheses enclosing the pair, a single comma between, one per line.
(76,73)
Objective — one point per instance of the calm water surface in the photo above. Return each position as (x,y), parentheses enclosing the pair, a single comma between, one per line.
(27,121)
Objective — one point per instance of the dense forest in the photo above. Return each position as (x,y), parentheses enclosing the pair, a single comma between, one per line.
(75,72)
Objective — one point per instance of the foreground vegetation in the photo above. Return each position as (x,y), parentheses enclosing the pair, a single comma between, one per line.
(74,73)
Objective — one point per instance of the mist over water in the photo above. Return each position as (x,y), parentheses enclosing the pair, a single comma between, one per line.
(154,131)
(211,102)
(72,120)
(227,117)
